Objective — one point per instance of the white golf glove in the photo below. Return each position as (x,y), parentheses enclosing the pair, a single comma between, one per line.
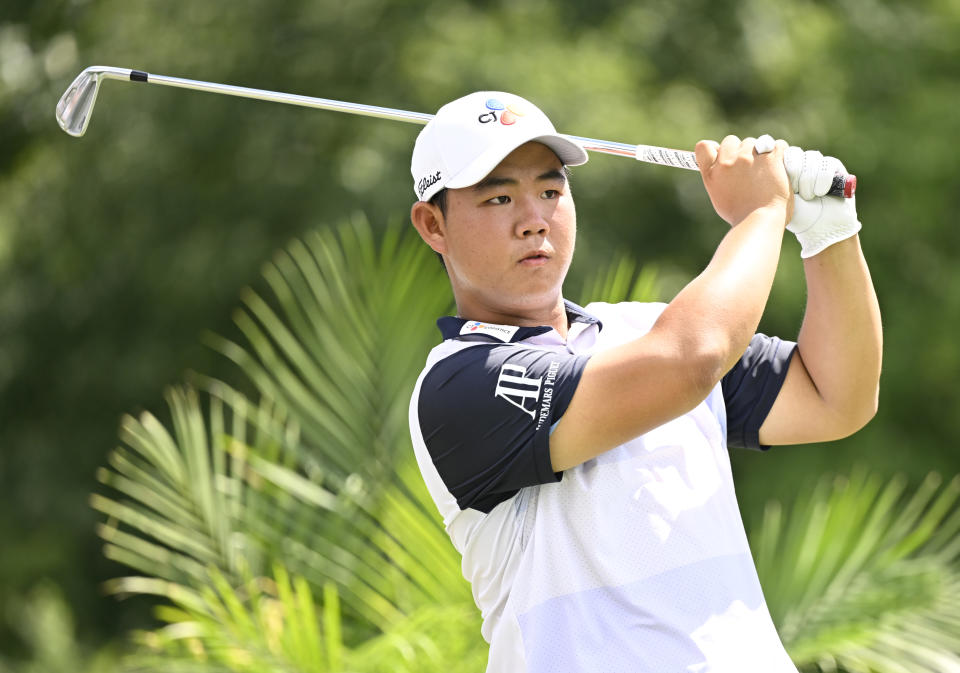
(818,221)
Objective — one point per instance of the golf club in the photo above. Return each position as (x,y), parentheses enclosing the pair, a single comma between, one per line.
(76,106)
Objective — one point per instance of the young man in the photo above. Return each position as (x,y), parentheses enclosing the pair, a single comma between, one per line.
(578,456)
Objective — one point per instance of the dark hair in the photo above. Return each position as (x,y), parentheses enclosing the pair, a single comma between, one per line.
(440,201)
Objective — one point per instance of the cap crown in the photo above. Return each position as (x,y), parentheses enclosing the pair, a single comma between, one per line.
(468,137)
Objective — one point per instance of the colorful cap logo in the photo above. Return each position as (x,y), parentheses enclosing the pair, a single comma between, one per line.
(508,114)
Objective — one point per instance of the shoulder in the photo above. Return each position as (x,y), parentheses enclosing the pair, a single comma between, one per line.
(454,355)
(475,375)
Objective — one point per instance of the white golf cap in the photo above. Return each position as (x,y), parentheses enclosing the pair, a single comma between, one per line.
(471,135)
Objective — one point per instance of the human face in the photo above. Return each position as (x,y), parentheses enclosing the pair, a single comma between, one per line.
(508,240)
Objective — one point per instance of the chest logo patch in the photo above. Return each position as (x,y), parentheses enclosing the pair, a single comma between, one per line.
(502,332)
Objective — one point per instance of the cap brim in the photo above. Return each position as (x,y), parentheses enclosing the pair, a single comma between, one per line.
(570,153)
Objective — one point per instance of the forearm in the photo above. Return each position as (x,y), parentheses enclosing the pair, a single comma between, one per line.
(841,339)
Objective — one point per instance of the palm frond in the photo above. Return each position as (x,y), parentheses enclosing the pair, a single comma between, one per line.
(263,624)
(186,503)
(271,624)
(862,576)
(392,563)
(334,348)
(316,478)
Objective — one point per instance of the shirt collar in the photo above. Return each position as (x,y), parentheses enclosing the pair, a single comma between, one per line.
(578,314)
(472,330)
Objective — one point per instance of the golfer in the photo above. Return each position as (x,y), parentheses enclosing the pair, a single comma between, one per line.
(578,455)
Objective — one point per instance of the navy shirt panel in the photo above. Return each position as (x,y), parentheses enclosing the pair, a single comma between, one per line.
(752,386)
(486,413)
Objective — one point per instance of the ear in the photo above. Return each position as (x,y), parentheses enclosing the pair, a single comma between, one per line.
(430,224)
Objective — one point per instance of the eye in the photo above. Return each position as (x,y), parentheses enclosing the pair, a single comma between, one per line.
(499,200)
(550,194)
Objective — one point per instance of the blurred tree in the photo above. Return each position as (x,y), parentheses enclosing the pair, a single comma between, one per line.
(118,249)
(46,625)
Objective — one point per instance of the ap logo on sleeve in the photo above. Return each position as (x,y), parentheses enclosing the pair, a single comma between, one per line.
(514,387)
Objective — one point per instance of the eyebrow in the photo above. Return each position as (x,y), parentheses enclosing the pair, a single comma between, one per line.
(497,181)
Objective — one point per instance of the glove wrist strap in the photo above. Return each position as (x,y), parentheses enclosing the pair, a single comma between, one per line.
(816,239)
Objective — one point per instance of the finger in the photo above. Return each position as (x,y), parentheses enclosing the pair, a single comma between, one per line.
(793,162)
(729,146)
(780,147)
(829,168)
(812,164)
(746,146)
(706,151)
(764,144)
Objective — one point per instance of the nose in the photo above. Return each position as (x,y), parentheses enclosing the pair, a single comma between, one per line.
(532,218)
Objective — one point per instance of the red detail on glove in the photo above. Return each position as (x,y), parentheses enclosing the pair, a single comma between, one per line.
(849,186)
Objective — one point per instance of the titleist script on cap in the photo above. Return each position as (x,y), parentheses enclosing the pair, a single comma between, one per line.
(427,182)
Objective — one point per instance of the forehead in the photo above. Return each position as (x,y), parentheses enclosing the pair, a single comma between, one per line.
(529,156)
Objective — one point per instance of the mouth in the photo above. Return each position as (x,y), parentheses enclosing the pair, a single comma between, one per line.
(535,258)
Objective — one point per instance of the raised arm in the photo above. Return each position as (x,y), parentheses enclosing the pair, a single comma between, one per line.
(628,390)
(832,383)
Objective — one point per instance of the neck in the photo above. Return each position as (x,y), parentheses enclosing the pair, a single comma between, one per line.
(553,315)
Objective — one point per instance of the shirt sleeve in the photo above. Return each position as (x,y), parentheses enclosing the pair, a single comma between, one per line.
(752,386)
(486,412)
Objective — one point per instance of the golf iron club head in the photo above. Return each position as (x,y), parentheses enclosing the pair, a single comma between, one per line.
(76,103)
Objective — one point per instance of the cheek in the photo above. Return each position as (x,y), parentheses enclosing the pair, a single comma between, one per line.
(567,221)
(467,243)
(473,251)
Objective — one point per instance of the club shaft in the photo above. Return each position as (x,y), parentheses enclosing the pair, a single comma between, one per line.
(655,155)
(291,99)
(843,185)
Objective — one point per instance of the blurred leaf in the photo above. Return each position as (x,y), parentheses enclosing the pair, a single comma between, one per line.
(621,281)
(860,575)
(288,483)
(45,624)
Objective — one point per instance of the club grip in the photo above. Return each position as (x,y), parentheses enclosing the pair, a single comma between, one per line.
(843,185)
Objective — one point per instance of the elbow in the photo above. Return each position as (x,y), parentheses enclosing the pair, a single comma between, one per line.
(869,408)
(867,405)
(707,365)
(874,406)
(718,353)
(699,357)
(858,413)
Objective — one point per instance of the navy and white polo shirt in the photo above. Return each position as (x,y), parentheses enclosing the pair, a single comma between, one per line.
(634,561)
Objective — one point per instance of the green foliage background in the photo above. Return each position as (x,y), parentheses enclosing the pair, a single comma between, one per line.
(118,250)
